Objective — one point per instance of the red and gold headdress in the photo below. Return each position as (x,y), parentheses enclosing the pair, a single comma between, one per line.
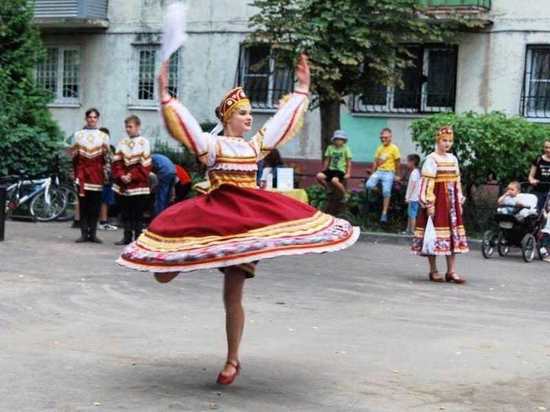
(232,101)
(445,132)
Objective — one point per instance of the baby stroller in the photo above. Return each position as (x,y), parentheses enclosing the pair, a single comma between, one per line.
(518,227)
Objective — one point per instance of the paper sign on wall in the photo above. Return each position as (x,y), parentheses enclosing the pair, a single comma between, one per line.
(285,178)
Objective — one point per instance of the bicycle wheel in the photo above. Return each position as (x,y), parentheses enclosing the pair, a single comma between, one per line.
(72,202)
(45,210)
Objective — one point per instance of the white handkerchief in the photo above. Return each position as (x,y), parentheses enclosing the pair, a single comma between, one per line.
(173,35)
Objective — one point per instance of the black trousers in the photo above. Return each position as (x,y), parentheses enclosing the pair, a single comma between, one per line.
(131,212)
(90,205)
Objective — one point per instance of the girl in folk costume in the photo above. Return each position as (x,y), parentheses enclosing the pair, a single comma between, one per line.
(442,199)
(131,168)
(235,224)
(90,157)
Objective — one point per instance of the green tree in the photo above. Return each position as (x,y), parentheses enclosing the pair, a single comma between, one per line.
(349,42)
(29,137)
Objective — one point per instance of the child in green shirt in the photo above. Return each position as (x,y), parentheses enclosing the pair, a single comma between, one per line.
(337,164)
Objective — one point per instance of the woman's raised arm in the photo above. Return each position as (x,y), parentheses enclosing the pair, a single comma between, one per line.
(180,123)
(288,120)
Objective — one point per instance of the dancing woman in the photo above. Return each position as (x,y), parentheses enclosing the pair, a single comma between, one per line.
(235,224)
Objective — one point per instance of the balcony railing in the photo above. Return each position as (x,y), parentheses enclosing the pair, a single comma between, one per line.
(71,14)
(481,4)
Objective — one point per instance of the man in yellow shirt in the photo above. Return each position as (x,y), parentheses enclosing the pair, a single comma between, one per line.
(385,169)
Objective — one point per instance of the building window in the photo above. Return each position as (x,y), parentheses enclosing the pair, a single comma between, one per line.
(146,74)
(173,82)
(59,73)
(146,90)
(535,99)
(428,87)
(265,78)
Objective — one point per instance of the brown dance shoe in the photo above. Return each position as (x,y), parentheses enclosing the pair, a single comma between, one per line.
(436,277)
(165,277)
(453,277)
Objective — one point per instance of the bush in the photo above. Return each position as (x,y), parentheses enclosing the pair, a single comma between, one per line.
(488,146)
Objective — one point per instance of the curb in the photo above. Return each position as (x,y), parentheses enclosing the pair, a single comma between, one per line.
(403,240)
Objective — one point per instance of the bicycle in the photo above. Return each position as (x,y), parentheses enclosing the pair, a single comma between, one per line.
(46,200)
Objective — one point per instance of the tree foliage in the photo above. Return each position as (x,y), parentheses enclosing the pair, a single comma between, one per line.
(489,146)
(28,135)
(349,42)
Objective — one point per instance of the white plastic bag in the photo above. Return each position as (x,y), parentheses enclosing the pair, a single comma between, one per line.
(430,237)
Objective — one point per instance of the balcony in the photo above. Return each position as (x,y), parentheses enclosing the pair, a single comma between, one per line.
(471,9)
(71,15)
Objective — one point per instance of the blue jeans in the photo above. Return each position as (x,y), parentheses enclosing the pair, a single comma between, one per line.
(162,194)
(413,209)
(386,178)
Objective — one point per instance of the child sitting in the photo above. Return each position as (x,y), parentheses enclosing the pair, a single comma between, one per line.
(337,164)
(413,192)
(514,202)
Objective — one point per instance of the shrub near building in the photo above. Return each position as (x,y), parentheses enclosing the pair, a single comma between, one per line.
(29,138)
(488,146)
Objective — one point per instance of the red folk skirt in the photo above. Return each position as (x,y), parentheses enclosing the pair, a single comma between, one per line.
(448,222)
(233,226)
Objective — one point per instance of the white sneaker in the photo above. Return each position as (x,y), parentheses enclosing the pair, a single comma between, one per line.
(107,226)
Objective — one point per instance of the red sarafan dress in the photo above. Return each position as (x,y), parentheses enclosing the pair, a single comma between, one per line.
(235,223)
(441,190)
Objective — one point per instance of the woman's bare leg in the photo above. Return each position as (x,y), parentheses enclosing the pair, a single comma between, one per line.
(451,264)
(234,314)
(433,264)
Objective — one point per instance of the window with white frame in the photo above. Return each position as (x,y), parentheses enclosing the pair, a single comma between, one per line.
(429,86)
(535,98)
(59,73)
(148,63)
(265,78)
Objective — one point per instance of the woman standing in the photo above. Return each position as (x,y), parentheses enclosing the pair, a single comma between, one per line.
(235,224)
(539,175)
(442,199)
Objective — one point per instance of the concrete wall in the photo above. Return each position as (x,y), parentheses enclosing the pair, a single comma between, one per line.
(215,30)
(490,69)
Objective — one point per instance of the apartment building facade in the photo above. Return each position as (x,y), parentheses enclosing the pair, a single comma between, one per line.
(105,53)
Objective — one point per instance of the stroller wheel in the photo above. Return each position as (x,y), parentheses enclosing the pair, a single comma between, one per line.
(488,244)
(503,247)
(543,251)
(528,247)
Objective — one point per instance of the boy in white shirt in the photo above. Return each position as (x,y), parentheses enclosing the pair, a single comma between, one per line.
(413,192)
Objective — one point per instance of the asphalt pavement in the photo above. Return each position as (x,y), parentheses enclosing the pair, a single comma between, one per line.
(360,330)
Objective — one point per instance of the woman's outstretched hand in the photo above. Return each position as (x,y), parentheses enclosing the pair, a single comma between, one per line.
(163,82)
(303,74)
